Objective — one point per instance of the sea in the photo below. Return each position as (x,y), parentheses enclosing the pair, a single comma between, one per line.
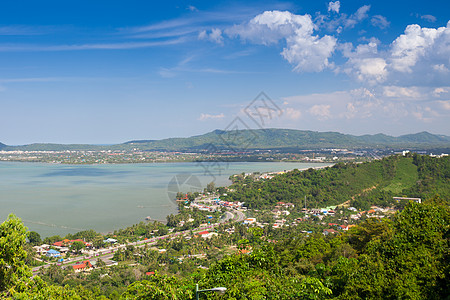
(57,199)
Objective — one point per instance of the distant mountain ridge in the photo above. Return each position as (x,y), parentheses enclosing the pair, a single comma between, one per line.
(261,139)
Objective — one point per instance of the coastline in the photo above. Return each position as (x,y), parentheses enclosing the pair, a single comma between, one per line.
(105,197)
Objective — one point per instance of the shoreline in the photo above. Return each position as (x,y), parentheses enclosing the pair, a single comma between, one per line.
(46,225)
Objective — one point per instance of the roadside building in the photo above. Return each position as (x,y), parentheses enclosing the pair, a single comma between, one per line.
(329,231)
(53,253)
(249,221)
(83,266)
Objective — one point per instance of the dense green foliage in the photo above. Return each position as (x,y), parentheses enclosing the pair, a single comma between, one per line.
(13,271)
(365,184)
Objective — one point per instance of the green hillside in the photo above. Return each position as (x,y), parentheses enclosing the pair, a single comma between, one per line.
(360,185)
(263,139)
(406,176)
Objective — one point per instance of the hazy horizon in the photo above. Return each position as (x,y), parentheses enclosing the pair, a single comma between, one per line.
(142,139)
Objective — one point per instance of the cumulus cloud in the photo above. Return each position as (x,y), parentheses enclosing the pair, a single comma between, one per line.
(272,26)
(416,43)
(365,64)
(440,68)
(380,21)
(320,111)
(417,54)
(204,117)
(309,53)
(438,91)
(306,51)
(215,35)
(334,6)
(292,113)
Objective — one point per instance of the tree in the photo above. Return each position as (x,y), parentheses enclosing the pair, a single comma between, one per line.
(211,187)
(13,271)
(51,239)
(34,238)
(77,246)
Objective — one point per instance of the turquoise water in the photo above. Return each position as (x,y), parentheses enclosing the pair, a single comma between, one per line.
(60,199)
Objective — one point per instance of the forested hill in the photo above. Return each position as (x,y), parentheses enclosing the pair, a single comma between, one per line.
(362,185)
(289,138)
(264,139)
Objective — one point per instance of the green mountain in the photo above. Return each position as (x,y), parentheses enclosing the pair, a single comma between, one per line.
(288,138)
(239,140)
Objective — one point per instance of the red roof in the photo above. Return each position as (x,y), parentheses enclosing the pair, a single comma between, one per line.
(83,265)
(150,273)
(203,232)
(69,242)
(78,267)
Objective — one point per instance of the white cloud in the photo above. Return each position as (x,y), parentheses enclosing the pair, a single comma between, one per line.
(445,104)
(415,44)
(334,6)
(417,55)
(321,111)
(106,46)
(440,68)
(357,17)
(204,117)
(372,70)
(307,52)
(376,109)
(292,113)
(401,92)
(380,21)
(365,64)
(429,18)
(192,8)
(424,114)
(215,36)
(438,91)
(272,26)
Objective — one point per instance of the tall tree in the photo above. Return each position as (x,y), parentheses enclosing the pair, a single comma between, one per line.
(13,271)
(34,238)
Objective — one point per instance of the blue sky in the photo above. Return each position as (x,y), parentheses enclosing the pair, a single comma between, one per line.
(112,71)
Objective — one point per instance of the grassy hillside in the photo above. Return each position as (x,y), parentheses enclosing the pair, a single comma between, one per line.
(360,184)
(406,176)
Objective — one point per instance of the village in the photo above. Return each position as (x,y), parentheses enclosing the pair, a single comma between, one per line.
(80,255)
